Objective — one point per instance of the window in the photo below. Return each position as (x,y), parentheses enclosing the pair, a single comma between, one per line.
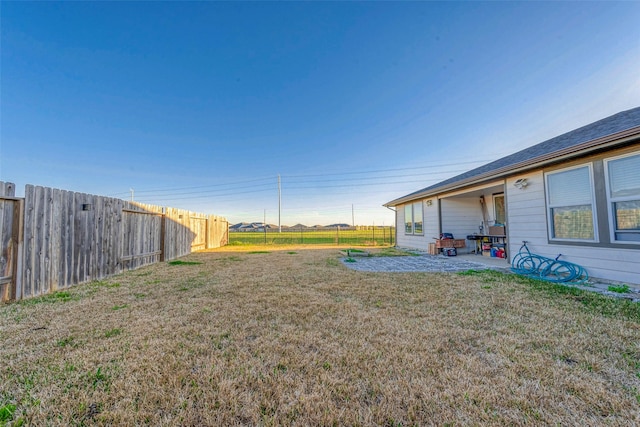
(408,219)
(498,205)
(413,218)
(570,204)
(417,218)
(623,193)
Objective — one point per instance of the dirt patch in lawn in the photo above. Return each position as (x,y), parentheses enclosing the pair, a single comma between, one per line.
(293,337)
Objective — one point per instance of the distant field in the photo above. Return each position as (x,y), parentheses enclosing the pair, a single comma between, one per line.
(379,236)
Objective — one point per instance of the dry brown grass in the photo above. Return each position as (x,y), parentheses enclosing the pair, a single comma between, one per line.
(286,338)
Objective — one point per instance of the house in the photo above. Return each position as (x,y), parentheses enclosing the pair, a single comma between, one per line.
(254,226)
(577,194)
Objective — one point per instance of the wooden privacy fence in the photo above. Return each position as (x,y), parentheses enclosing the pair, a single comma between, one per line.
(53,239)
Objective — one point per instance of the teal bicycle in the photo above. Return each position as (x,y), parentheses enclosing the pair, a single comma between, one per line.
(549,269)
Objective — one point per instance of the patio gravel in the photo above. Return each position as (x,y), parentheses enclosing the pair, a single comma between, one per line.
(420,263)
(443,264)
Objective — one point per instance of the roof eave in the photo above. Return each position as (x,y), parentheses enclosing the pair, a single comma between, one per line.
(536,162)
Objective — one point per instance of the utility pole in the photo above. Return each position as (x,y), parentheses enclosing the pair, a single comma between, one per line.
(279,204)
(353,218)
(131,189)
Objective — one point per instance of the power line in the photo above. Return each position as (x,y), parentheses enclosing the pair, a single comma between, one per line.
(267,181)
(388,170)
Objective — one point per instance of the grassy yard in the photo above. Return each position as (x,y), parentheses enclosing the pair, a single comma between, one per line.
(292,337)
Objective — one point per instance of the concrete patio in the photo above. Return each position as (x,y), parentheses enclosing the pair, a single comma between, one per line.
(444,264)
(426,263)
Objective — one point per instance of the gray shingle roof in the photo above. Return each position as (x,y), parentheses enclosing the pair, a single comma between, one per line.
(612,125)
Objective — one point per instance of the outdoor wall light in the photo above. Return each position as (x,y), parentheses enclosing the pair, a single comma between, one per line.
(86,206)
(429,202)
(521,183)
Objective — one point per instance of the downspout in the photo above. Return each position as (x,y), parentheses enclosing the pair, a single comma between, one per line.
(439,201)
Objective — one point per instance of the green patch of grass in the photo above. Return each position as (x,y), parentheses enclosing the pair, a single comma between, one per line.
(62,296)
(473,273)
(589,301)
(393,252)
(99,379)
(349,260)
(377,237)
(259,252)
(119,307)
(292,253)
(6,413)
(621,289)
(113,333)
(68,341)
(180,262)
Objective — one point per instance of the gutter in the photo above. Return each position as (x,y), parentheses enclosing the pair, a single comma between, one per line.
(546,159)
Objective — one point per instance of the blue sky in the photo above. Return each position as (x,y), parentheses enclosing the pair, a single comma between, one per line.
(203,105)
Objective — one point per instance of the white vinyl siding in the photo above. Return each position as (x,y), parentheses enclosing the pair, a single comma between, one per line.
(526,218)
(570,202)
(623,194)
(429,225)
(461,216)
(526,221)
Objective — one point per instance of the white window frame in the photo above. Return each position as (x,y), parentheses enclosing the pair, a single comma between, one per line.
(549,208)
(612,200)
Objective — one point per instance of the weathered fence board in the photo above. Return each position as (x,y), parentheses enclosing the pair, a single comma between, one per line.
(218,232)
(9,240)
(142,239)
(52,239)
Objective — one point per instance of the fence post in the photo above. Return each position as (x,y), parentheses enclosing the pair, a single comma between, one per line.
(206,232)
(163,229)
